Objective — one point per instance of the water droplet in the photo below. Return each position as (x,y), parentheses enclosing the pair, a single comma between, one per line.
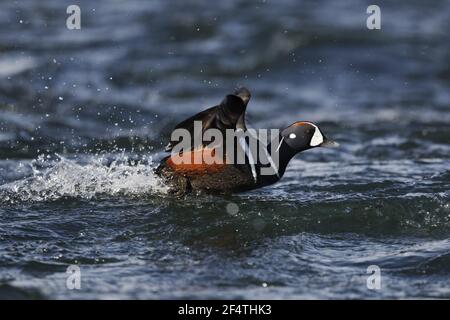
(232,208)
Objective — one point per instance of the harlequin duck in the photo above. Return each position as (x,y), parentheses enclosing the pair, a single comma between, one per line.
(230,176)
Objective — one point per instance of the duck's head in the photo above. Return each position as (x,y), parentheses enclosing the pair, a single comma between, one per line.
(303,135)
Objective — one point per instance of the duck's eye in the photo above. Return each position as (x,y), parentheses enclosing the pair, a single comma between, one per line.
(292,136)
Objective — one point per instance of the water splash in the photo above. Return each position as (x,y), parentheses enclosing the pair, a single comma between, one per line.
(87,179)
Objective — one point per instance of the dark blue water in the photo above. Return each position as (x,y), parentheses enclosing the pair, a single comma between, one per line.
(84,115)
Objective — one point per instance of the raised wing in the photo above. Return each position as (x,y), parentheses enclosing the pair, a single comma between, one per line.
(229,114)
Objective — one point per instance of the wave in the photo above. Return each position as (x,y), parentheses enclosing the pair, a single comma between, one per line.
(89,178)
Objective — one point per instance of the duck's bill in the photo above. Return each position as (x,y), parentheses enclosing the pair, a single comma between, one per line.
(328,143)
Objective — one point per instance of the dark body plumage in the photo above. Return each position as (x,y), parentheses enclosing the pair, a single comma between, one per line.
(229,177)
(229,114)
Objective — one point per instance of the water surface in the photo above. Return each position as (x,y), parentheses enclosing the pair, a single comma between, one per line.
(84,116)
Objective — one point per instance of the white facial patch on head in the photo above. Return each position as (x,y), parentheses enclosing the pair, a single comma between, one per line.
(317,138)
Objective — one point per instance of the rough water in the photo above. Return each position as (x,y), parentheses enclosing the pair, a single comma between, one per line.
(84,115)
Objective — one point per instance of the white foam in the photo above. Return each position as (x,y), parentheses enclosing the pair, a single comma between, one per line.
(93,178)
